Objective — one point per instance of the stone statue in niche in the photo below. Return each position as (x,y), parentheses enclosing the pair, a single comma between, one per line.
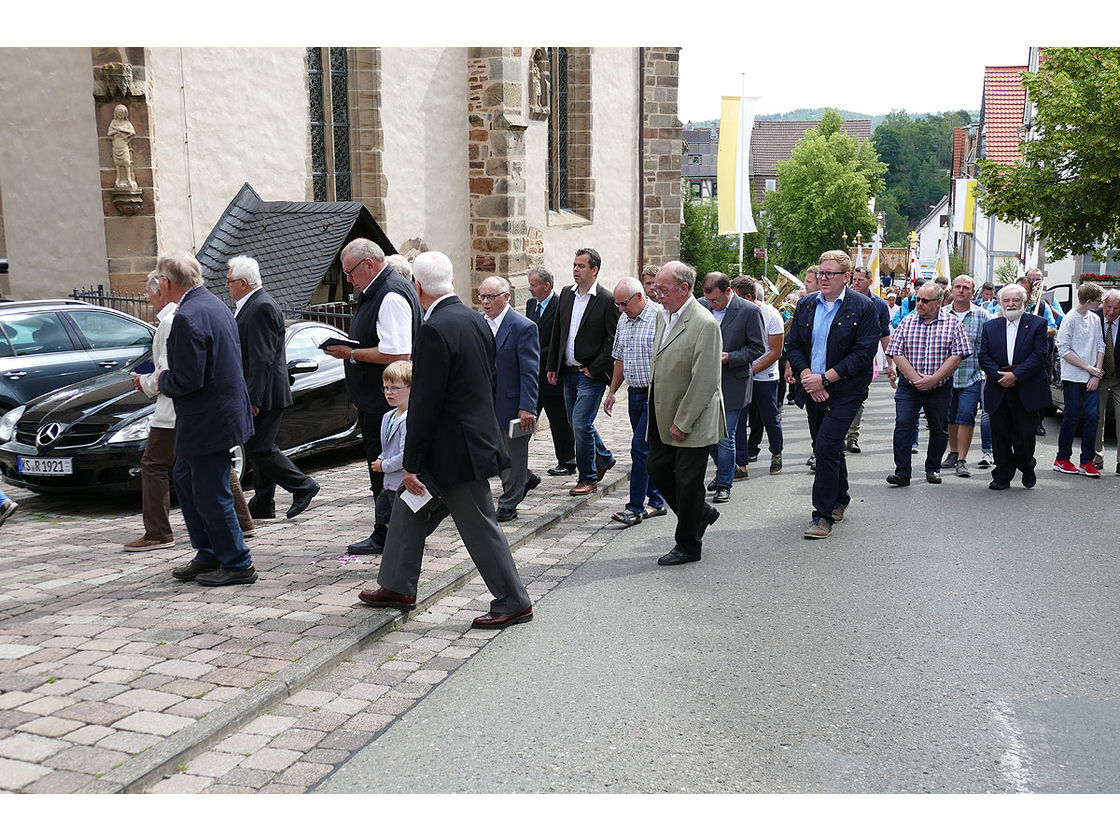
(121,133)
(540,85)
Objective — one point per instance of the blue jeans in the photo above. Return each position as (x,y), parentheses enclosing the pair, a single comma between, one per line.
(723,453)
(202,487)
(908,401)
(1079,401)
(640,484)
(582,396)
(762,414)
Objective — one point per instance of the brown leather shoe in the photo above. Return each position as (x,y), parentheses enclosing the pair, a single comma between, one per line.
(603,470)
(496,621)
(387,598)
(583,489)
(143,544)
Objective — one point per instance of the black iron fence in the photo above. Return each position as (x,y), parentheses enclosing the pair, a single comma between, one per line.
(338,314)
(131,303)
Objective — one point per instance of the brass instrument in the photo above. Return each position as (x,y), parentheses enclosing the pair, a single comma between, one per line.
(789,283)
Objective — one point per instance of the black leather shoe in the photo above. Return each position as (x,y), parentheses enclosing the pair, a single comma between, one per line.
(192,570)
(998,485)
(712,485)
(676,558)
(532,484)
(368,546)
(723,494)
(710,517)
(301,500)
(228,577)
(563,469)
(1040,431)
(506,514)
(1030,479)
(896,480)
(853,448)
(933,477)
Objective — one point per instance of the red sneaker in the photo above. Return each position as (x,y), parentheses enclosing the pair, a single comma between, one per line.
(1065,466)
(1089,469)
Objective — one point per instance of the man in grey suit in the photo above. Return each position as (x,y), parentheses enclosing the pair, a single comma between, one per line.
(518,364)
(452,448)
(260,328)
(744,341)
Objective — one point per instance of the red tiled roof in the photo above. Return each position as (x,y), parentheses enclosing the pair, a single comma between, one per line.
(772,142)
(960,145)
(1001,112)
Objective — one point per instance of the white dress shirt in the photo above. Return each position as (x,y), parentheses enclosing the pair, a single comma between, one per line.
(579,306)
(671,319)
(495,324)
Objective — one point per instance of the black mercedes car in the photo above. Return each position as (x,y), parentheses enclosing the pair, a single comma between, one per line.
(89,436)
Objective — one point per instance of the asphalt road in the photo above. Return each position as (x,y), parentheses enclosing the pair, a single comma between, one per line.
(944,639)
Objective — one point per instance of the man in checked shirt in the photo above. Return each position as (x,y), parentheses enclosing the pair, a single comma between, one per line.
(926,347)
(633,352)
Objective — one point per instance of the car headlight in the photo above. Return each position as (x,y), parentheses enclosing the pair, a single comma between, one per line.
(134,431)
(8,423)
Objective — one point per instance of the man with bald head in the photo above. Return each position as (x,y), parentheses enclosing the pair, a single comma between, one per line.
(518,363)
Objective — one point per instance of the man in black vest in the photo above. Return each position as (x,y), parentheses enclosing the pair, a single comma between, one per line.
(541,310)
(384,326)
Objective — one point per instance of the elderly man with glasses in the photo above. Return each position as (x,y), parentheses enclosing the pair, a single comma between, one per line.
(384,325)
(927,347)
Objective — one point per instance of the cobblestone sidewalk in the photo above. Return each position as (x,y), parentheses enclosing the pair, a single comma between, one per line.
(112,673)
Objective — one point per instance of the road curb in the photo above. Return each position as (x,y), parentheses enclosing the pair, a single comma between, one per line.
(160,760)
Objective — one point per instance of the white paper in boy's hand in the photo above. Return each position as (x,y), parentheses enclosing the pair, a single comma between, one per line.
(414,501)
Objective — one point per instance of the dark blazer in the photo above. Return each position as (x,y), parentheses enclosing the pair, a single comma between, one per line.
(452,430)
(594,338)
(544,326)
(260,326)
(204,377)
(1031,345)
(518,363)
(744,342)
(852,340)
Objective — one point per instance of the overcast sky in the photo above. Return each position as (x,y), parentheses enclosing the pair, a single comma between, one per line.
(869,56)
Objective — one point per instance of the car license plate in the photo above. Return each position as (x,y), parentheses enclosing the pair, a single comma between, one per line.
(46,466)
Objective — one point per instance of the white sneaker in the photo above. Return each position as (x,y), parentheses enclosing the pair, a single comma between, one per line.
(986,461)
(7,509)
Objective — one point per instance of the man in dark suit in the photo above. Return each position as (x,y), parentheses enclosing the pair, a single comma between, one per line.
(260,326)
(579,359)
(453,443)
(831,343)
(1013,357)
(204,380)
(518,364)
(743,336)
(541,310)
(384,326)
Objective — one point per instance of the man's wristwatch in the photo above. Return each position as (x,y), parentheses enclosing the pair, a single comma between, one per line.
(352,360)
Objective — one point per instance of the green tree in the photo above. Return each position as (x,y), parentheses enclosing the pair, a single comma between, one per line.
(1067,183)
(823,192)
(706,250)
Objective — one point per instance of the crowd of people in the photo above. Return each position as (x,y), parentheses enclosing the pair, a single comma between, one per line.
(448,398)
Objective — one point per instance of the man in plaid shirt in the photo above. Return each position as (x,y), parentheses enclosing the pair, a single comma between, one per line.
(927,347)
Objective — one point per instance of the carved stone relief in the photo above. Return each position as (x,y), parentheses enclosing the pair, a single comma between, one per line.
(127,196)
(540,85)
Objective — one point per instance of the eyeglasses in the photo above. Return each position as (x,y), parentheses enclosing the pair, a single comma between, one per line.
(230,282)
(626,302)
(347,274)
(828,275)
(486,298)
(927,299)
(392,389)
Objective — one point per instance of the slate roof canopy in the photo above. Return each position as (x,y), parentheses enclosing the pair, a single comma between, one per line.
(295,242)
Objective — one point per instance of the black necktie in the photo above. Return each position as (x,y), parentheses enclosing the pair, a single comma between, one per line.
(535,314)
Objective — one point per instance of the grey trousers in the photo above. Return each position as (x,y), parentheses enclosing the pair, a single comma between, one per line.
(517,476)
(853,430)
(472,508)
(1110,392)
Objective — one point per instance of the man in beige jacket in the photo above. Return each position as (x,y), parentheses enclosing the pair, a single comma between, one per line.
(685,407)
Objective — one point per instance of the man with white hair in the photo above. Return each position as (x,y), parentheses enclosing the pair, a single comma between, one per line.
(384,326)
(518,365)
(1013,357)
(213,414)
(260,327)
(453,446)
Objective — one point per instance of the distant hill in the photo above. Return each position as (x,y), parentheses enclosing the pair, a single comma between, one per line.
(817,113)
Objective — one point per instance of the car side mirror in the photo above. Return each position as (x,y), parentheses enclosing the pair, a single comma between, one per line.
(302,366)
